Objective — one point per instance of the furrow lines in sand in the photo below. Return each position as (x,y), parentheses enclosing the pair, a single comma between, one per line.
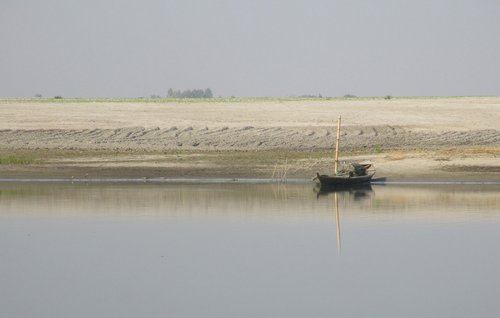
(294,138)
(184,131)
(167,131)
(213,131)
(146,135)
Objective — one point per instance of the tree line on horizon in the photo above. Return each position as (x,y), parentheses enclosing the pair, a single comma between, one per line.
(207,93)
(190,93)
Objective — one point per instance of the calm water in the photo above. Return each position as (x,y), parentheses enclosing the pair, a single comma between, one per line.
(248,251)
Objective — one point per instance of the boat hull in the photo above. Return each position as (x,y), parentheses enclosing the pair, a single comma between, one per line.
(343,181)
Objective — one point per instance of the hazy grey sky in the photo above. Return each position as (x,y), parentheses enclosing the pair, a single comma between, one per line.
(131,48)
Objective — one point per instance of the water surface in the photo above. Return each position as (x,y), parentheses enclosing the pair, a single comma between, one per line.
(240,250)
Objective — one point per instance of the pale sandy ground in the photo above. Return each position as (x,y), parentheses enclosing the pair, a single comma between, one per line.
(443,138)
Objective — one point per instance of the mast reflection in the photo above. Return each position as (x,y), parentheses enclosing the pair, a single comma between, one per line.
(337,221)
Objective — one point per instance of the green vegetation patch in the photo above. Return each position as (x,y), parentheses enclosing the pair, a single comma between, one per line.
(16,159)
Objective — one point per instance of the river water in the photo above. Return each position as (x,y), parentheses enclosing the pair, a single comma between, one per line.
(248,250)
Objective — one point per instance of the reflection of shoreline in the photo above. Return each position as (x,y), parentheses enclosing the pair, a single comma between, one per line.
(413,197)
(256,201)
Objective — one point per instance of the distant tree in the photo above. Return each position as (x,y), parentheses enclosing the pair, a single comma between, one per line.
(57,97)
(170,93)
(38,95)
(349,96)
(208,93)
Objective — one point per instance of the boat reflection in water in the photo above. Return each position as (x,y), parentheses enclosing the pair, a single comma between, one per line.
(356,193)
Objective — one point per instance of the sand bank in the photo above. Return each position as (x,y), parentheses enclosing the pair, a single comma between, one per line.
(444,138)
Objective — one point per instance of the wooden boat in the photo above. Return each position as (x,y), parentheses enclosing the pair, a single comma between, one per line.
(357,175)
(343,180)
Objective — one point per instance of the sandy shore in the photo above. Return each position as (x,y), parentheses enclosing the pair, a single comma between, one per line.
(410,139)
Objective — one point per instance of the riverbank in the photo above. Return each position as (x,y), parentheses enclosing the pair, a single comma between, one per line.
(405,138)
(478,164)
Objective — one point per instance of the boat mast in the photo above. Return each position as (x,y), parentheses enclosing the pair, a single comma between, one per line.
(337,148)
